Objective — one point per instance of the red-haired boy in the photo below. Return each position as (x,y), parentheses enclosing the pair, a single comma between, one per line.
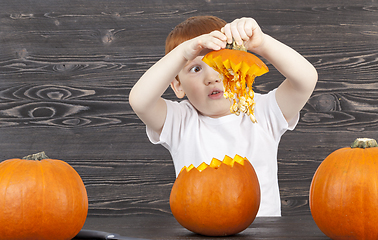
(200,128)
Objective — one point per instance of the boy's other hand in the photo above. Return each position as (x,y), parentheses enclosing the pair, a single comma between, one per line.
(204,43)
(244,31)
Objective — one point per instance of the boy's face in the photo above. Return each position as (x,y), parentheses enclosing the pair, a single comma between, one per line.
(204,88)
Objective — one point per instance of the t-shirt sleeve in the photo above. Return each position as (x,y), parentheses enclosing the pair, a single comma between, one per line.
(270,116)
(177,115)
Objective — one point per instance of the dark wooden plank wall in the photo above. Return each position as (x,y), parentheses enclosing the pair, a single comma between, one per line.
(66,69)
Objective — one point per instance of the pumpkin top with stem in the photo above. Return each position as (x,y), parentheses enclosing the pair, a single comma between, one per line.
(237,69)
(364,143)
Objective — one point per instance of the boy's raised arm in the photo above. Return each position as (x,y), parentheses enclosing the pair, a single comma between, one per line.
(145,96)
(301,77)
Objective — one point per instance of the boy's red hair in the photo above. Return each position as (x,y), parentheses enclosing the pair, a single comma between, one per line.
(191,28)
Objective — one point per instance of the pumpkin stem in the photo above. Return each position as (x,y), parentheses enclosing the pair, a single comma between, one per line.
(36,157)
(364,143)
(235,46)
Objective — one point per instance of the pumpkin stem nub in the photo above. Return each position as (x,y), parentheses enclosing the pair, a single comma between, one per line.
(36,157)
(235,46)
(364,143)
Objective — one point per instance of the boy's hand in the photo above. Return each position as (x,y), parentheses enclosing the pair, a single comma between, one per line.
(244,31)
(207,42)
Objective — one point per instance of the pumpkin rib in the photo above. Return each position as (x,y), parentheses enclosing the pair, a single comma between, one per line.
(43,184)
(362,199)
(9,165)
(8,203)
(71,193)
(68,202)
(32,212)
(54,177)
(345,194)
(371,157)
(67,168)
(2,176)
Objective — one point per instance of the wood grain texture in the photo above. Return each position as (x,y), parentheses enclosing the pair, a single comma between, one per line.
(66,69)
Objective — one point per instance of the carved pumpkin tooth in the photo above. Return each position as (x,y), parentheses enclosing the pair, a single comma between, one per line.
(215,163)
(202,167)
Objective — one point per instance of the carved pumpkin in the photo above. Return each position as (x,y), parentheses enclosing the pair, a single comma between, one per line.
(41,199)
(238,70)
(218,199)
(344,192)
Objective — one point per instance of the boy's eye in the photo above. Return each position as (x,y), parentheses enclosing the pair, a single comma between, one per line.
(195,69)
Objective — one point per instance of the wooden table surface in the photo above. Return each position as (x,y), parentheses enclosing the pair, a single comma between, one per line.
(166,227)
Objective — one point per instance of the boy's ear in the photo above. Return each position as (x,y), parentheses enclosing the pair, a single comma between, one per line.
(177,88)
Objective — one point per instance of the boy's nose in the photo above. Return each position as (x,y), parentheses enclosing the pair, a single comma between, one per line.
(212,79)
(212,76)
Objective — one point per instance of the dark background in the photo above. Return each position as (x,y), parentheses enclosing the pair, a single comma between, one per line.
(67,66)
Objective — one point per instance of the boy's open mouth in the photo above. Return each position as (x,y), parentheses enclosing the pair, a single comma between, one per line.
(216,94)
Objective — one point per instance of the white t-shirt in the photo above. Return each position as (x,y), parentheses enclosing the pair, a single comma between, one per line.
(192,138)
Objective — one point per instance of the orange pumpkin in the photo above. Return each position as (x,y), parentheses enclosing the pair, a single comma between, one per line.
(344,192)
(218,199)
(238,70)
(41,199)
